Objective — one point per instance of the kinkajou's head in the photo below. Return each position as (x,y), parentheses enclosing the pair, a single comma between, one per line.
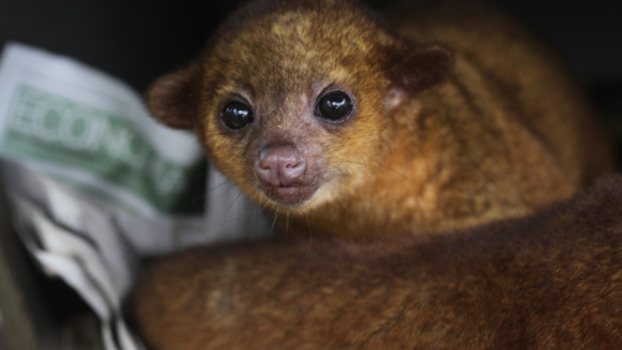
(293,99)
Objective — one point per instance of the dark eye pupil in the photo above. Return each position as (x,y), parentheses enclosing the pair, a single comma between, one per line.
(236,115)
(336,106)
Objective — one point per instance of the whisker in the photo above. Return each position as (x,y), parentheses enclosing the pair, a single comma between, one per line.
(276,215)
(233,203)
(214,188)
(264,207)
(287,223)
(310,233)
(394,171)
(378,164)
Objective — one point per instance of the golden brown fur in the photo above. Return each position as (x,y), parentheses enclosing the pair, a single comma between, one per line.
(459,118)
(549,281)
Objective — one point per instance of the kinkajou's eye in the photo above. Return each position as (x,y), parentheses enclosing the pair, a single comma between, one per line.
(236,115)
(335,106)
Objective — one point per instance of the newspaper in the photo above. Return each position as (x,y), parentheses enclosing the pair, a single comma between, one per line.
(94,183)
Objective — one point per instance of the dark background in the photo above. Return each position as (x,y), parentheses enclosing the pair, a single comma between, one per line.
(138,40)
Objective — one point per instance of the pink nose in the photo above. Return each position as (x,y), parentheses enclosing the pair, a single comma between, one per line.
(280,165)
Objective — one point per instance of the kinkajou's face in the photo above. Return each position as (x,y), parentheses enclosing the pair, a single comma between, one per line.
(295,103)
(293,107)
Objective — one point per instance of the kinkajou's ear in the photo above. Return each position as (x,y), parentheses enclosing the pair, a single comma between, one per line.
(415,69)
(174,98)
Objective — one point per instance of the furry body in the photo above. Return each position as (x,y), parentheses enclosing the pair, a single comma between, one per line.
(453,118)
(552,280)
(458,117)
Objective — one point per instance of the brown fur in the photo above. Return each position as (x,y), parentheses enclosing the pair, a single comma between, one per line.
(460,116)
(550,281)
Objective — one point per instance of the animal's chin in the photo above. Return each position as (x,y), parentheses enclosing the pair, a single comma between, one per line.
(290,196)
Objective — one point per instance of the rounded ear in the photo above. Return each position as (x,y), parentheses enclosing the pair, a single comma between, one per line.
(416,69)
(174,98)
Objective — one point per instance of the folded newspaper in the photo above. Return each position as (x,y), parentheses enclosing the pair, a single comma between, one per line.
(94,183)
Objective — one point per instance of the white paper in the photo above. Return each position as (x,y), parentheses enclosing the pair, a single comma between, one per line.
(92,181)
(71,121)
